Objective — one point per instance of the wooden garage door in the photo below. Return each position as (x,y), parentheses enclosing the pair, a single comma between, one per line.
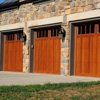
(47,51)
(87,54)
(13,52)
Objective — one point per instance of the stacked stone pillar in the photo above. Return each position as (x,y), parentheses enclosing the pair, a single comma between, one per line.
(26,45)
(65,52)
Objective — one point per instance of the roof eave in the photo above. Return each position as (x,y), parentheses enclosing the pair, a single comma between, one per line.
(17,3)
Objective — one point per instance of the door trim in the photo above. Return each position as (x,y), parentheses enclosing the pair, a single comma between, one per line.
(31,63)
(2,46)
(1,50)
(72,42)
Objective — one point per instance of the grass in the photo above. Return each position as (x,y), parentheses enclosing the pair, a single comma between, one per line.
(62,91)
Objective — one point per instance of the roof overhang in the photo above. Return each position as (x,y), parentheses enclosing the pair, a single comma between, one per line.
(39,1)
(10,5)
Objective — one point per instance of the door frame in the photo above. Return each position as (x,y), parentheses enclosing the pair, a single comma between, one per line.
(2,33)
(73,44)
(32,36)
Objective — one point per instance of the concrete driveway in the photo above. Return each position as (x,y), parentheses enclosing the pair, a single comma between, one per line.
(14,78)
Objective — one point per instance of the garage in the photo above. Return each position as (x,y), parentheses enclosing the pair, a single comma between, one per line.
(87,49)
(47,51)
(13,49)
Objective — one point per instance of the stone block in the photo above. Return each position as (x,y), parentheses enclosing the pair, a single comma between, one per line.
(25,69)
(77,3)
(26,60)
(67,11)
(98,5)
(72,4)
(23,60)
(64,45)
(64,50)
(64,55)
(66,72)
(64,60)
(89,2)
(65,65)
(83,4)
(62,13)
(86,8)
(89,7)
(25,47)
(24,57)
(80,9)
(61,8)
(57,13)
(83,0)
(27,42)
(63,3)
(57,0)
(47,15)
(26,52)
(62,71)
(23,51)
(51,14)
(96,1)
(73,10)
(67,37)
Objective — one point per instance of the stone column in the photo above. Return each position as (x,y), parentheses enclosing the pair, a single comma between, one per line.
(26,50)
(65,53)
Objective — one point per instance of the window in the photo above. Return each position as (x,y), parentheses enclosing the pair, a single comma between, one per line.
(42,33)
(13,36)
(54,32)
(48,32)
(18,36)
(10,37)
(86,29)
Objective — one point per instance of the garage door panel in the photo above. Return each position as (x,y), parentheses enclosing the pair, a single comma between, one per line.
(49,54)
(39,55)
(98,42)
(88,56)
(78,68)
(56,48)
(78,55)
(45,52)
(78,50)
(98,56)
(36,49)
(92,55)
(87,68)
(56,55)
(13,54)
(9,65)
(98,49)
(41,52)
(13,66)
(6,65)
(85,56)
(36,55)
(98,68)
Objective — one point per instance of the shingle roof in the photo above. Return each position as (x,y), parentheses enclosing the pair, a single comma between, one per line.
(8,2)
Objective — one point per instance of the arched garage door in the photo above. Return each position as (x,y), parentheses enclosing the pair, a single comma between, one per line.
(87,54)
(47,51)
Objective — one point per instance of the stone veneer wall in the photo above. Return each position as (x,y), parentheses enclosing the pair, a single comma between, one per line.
(29,12)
